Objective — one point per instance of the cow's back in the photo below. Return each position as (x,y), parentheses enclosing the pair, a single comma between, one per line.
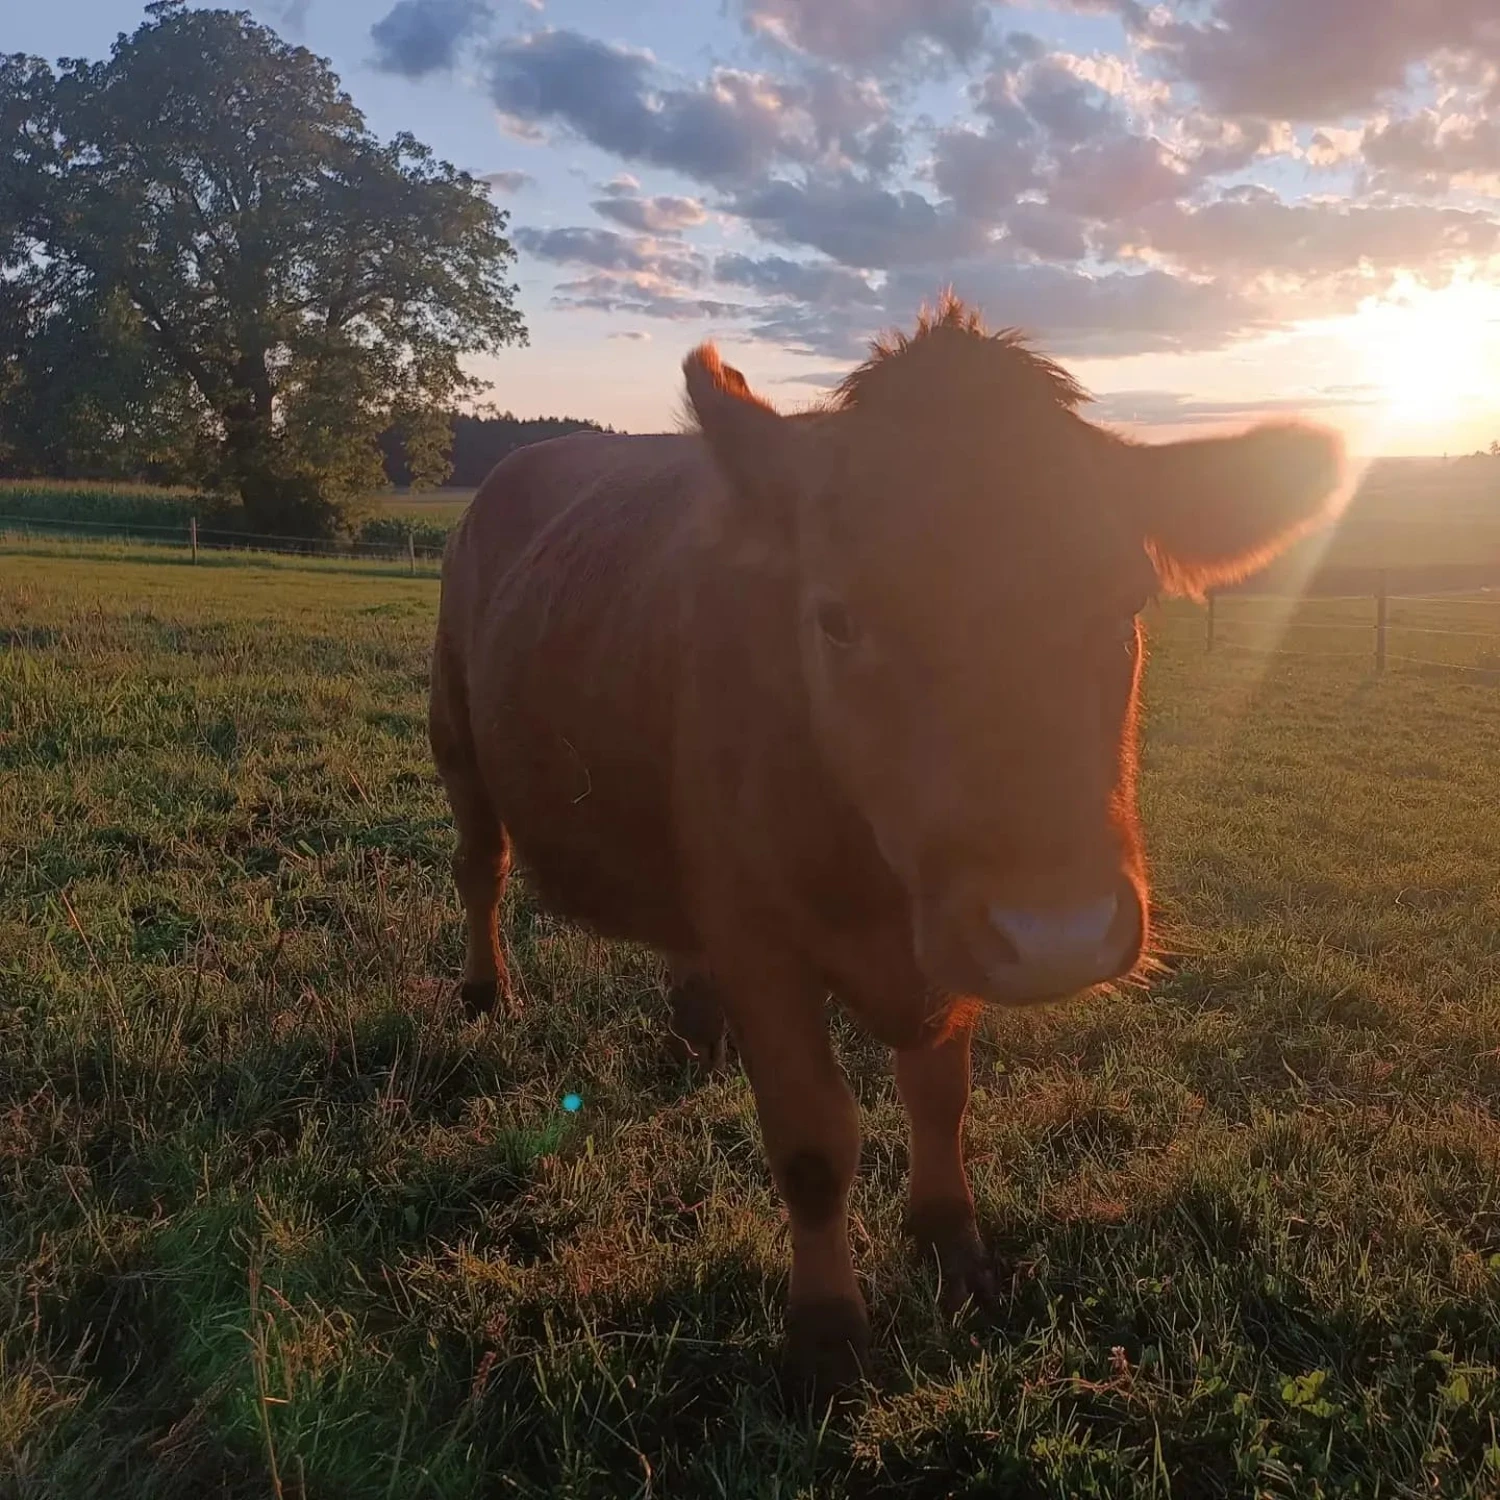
(560,624)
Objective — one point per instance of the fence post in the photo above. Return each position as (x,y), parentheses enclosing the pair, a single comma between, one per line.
(193,535)
(1380,619)
(411,553)
(1211,597)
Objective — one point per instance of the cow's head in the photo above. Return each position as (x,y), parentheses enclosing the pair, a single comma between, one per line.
(971,557)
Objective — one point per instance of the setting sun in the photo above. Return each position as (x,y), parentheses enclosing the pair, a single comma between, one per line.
(1430,355)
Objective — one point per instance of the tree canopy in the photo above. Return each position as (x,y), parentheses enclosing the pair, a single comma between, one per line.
(211,269)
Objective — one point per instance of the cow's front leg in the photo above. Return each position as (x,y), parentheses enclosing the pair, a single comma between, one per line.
(934,1087)
(698,1029)
(810,1123)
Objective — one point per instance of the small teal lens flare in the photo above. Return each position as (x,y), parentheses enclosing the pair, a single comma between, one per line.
(572,1103)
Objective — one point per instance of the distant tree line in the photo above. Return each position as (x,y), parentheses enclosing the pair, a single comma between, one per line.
(479,443)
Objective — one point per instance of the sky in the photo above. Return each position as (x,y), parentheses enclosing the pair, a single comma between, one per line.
(1209,210)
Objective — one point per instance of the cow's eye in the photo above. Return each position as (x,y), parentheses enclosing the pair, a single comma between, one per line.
(1116,632)
(1124,624)
(836,623)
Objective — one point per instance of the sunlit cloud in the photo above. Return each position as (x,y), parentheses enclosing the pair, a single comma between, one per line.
(1258,201)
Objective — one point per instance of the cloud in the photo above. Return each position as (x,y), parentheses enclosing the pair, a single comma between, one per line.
(983,172)
(507,182)
(1431,152)
(826,332)
(1052,125)
(1069,108)
(638,295)
(776,276)
(1331,146)
(606,250)
(418,37)
(1254,233)
(849,118)
(731,127)
(291,15)
(829,310)
(715,131)
(1135,15)
(661,214)
(1071,311)
(869,33)
(857,222)
(1047,232)
(822,380)
(1106,179)
(1289,59)
(630,335)
(828,328)
(1152,408)
(1212,146)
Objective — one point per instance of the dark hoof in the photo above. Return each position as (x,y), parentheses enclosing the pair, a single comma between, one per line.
(827,1354)
(699,1035)
(479,997)
(946,1232)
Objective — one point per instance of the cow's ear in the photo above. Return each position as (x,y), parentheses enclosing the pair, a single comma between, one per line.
(1215,510)
(761,456)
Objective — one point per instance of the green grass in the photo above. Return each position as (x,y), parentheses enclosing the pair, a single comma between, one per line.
(270,1214)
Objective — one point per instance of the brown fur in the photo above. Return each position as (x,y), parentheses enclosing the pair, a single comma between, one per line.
(630,688)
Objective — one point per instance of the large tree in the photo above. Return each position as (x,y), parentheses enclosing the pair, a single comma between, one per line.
(207,212)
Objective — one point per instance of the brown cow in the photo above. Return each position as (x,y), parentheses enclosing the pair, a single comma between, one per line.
(844,704)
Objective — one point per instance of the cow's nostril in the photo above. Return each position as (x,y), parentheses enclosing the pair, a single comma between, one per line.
(1074,936)
(1018,954)
(1002,947)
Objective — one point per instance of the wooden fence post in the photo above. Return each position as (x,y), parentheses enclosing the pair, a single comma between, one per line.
(193,535)
(1381,612)
(1211,597)
(411,553)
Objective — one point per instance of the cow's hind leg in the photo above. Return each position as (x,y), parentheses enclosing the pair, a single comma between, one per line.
(481,867)
(481,863)
(698,1025)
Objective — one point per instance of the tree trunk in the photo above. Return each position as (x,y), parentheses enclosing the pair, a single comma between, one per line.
(273,502)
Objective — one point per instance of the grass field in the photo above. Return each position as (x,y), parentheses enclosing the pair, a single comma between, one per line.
(433,505)
(272,1220)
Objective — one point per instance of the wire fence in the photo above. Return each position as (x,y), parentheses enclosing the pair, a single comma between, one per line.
(194,539)
(1450,606)
(1459,625)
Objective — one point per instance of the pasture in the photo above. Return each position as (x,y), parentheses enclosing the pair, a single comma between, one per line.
(273,1221)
